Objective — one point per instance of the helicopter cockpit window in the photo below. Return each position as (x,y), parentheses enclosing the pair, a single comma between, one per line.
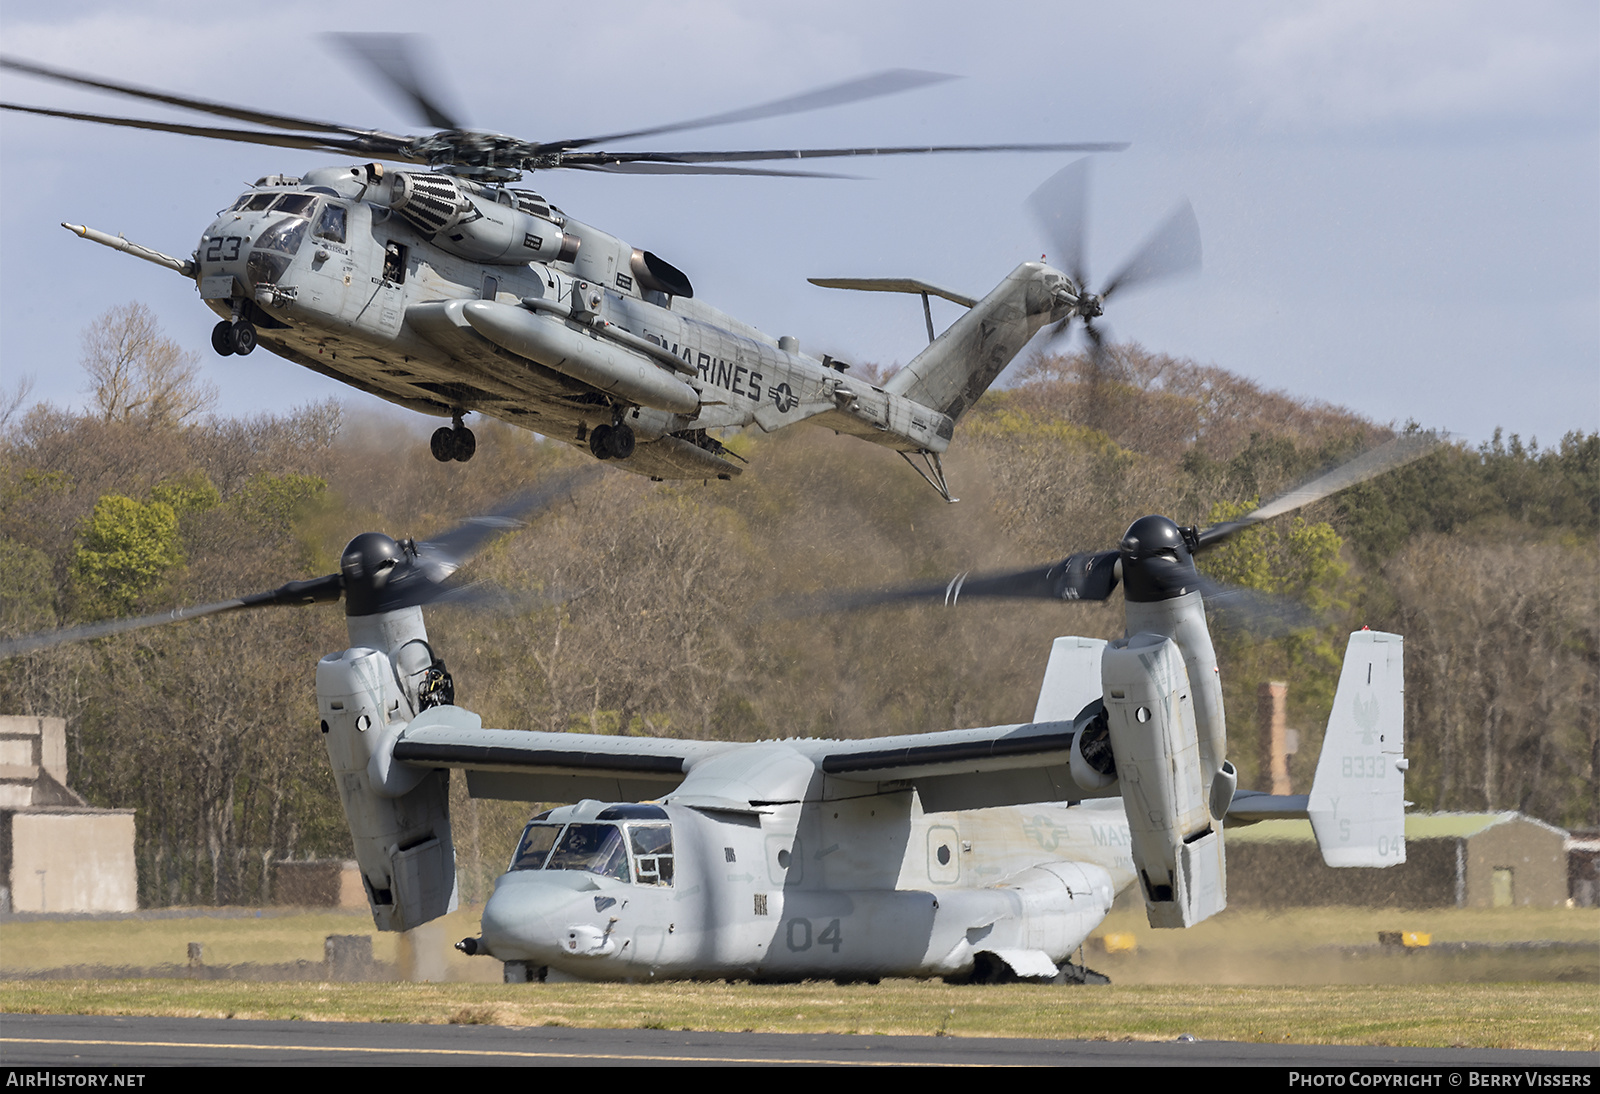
(255,203)
(273,249)
(299,205)
(331,226)
(285,236)
(535,846)
(594,848)
(652,853)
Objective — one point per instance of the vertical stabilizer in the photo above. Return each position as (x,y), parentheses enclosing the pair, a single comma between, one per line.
(1071,679)
(1357,804)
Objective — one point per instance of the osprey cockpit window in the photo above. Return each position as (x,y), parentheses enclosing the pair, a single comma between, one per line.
(537,839)
(593,848)
(599,849)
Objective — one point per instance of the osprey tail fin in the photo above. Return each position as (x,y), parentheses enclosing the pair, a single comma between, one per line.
(1357,804)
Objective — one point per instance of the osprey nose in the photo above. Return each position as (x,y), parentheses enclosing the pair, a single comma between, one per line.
(520,919)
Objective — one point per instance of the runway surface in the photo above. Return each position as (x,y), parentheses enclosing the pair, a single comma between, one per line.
(132,1043)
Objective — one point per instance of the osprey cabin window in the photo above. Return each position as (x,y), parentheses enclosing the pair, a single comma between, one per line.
(652,853)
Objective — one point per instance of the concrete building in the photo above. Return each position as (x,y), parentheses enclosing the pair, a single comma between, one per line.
(57,853)
(1461,860)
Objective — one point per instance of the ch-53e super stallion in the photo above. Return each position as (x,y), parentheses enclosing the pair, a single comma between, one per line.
(450,292)
(969,854)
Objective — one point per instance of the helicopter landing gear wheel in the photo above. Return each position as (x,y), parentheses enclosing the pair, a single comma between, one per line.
(242,336)
(222,339)
(620,442)
(612,442)
(456,444)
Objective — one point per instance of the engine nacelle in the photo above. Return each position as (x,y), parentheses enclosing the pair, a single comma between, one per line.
(399,816)
(474,226)
(1177,851)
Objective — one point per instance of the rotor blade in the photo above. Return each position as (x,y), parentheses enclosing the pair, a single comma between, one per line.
(1260,613)
(443,554)
(317,590)
(375,144)
(391,57)
(1172,249)
(1090,575)
(1058,334)
(237,113)
(1097,344)
(700,169)
(575,159)
(1061,206)
(890,82)
(1386,457)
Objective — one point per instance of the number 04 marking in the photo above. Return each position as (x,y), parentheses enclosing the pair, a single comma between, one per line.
(799,935)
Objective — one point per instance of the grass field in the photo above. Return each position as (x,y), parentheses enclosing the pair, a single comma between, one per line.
(1550,1016)
(1246,975)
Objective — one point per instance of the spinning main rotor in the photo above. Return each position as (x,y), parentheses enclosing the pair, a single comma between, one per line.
(498,157)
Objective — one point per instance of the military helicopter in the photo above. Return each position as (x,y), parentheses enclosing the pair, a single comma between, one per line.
(986,853)
(450,292)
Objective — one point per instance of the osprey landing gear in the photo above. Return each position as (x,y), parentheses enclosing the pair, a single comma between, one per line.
(235,336)
(453,443)
(612,442)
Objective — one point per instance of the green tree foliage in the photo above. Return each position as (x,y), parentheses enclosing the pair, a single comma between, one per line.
(645,607)
(126,550)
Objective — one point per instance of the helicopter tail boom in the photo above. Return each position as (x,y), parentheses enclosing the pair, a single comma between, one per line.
(959,366)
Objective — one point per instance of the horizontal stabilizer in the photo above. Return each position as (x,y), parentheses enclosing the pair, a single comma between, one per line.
(893,284)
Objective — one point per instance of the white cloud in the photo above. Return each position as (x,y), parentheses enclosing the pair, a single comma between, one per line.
(1350,65)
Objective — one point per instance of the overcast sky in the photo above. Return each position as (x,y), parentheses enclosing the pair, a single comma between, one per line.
(1400,203)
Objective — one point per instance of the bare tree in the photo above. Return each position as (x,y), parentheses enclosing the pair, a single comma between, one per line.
(138,376)
(11,400)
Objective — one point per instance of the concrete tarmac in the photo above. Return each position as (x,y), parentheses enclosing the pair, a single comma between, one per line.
(135,1043)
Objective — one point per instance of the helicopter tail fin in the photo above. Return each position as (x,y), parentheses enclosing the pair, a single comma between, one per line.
(961,363)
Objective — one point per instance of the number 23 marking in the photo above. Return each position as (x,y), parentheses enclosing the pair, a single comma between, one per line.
(214,253)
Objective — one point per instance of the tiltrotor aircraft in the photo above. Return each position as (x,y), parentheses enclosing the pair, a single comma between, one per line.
(447,291)
(968,854)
